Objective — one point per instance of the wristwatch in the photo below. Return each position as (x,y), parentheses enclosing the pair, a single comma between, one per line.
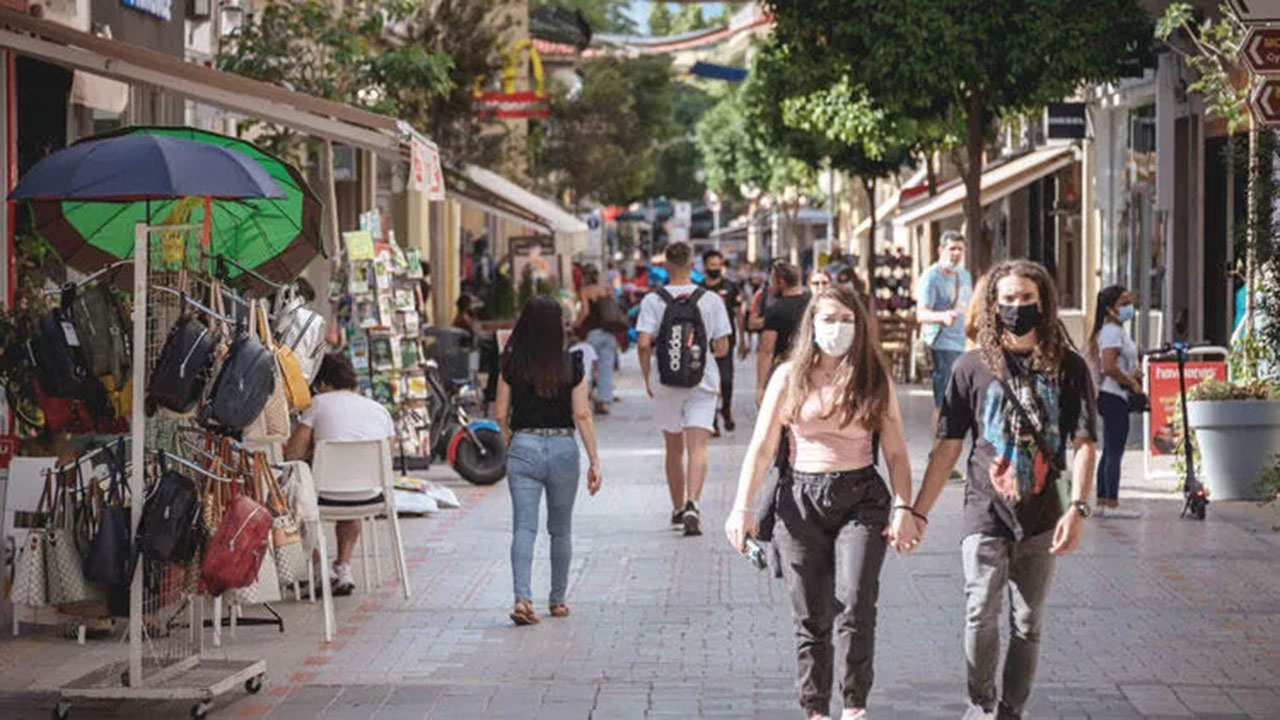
(1083,508)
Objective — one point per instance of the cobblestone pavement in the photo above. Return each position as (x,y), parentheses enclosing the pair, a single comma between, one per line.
(1152,617)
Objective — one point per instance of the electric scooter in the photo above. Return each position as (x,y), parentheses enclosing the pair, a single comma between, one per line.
(1197,499)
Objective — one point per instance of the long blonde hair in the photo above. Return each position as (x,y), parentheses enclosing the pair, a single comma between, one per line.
(862,377)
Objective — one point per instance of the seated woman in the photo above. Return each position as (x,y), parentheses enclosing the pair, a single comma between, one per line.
(338,412)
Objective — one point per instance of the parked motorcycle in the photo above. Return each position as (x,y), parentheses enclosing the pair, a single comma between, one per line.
(474,448)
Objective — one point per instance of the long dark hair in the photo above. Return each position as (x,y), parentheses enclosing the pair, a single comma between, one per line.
(862,378)
(1107,297)
(535,351)
(1051,338)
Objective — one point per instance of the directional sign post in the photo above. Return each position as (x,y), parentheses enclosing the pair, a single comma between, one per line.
(1265,102)
(1262,49)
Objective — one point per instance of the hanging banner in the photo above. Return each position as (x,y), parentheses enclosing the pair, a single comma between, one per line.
(435,175)
(510,103)
(418,162)
(1165,398)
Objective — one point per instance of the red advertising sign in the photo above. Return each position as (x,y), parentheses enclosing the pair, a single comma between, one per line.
(1162,385)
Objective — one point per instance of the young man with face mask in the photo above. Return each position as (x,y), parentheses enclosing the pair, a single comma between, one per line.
(731,293)
(942,295)
(1024,396)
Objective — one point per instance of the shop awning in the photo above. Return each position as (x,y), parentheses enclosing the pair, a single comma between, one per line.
(494,193)
(887,208)
(997,181)
(61,45)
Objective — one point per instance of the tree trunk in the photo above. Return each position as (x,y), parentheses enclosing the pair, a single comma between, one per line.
(866,259)
(981,253)
(330,199)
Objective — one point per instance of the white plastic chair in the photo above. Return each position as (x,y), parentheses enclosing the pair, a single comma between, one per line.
(361,465)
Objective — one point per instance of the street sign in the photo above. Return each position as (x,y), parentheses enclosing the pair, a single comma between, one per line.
(1255,11)
(1262,50)
(1066,120)
(1265,102)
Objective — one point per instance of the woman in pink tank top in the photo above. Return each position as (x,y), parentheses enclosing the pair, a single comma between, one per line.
(833,515)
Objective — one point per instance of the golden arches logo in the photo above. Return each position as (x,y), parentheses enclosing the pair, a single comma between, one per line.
(510,102)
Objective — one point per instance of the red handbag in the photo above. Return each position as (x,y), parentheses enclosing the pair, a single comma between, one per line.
(236,550)
(62,414)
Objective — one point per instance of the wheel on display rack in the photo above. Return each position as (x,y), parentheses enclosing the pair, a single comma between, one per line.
(254,684)
(200,710)
(62,711)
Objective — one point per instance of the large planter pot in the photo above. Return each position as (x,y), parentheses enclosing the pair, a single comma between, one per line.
(1238,438)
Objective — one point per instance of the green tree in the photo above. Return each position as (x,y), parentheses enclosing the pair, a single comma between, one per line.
(660,19)
(967,61)
(688,17)
(608,16)
(339,56)
(601,143)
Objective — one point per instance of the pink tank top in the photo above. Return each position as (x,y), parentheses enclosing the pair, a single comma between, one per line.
(820,444)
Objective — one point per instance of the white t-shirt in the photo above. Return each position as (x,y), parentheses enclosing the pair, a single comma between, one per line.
(714,318)
(347,415)
(1114,336)
(589,357)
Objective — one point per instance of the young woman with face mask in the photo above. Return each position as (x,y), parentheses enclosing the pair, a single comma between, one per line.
(835,517)
(1115,356)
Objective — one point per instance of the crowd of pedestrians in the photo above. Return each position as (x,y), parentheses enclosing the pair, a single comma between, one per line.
(827,477)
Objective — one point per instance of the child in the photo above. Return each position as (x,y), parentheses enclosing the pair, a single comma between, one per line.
(590,360)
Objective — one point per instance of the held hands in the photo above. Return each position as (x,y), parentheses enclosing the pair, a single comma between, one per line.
(743,350)
(593,478)
(1066,536)
(739,527)
(904,533)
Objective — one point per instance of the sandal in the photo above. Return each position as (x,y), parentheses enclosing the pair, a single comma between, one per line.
(559,610)
(523,613)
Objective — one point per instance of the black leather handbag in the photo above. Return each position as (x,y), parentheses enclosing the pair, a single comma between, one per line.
(169,528)
(1139,402)
(182,369)
(110,556)
(246,380)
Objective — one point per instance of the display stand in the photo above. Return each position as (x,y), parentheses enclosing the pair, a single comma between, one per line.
(165,663)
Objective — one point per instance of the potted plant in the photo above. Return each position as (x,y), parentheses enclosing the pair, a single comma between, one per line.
(1237,428)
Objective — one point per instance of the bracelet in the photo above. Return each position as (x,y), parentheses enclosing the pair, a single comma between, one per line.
(908,508)
(920,516)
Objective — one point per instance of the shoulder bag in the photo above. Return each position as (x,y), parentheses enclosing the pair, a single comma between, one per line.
(297,390)
(183,367)
(101,324)
(243,386)
(265,586)
(302,330)
(63,564)
(110,556)
(29,581)
(1057,468)
(286,531)
(273,422)
(169,528)
(235,552)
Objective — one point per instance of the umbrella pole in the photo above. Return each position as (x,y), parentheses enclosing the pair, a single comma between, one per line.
(207,225)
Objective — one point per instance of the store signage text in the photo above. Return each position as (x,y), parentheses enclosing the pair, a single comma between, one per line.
(1265,101)
(1262,50)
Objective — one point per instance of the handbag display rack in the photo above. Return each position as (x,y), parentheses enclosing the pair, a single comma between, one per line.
(166,658)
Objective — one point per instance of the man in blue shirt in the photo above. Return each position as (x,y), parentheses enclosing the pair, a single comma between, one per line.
(942,296)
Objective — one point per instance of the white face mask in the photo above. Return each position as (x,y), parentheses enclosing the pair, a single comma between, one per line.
(833,338)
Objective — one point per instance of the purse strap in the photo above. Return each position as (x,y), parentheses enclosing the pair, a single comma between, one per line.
(1036,432)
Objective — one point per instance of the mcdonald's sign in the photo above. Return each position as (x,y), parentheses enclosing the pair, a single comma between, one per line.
(510,103)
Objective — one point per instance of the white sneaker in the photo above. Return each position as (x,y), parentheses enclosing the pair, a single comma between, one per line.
(852,714)
(342,580)
(976,712)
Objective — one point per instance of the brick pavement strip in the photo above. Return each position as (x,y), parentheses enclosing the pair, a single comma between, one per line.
(1152,618)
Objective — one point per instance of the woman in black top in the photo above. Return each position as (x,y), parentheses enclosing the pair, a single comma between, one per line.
(542,396)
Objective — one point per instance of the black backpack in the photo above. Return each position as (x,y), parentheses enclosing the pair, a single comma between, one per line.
(245,382)
(682,340)
(169,528)
(58,364)
(182,369)
(99,319)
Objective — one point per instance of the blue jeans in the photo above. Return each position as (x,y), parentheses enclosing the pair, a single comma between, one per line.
(534,464)
(943,361)
(1115,434)
(606,346)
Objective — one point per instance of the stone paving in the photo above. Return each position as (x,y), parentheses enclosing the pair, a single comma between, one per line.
(1152,617)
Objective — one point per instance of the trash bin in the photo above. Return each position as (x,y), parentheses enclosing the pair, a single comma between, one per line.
(449,347)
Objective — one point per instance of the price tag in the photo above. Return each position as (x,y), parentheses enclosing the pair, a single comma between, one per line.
(69,331)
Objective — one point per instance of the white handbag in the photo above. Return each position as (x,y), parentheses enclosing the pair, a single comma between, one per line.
(302,330)
(265,588)
(28,572)
(300,491)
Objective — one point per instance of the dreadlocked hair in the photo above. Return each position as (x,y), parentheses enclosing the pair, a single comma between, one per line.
(1052,341)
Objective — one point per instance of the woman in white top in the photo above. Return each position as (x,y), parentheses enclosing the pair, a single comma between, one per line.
(1116,357)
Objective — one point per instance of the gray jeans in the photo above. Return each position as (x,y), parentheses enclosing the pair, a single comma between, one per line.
(828,535)
(990,565)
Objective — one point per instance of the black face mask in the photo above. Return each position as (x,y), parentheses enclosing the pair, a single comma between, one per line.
(1020,319)
(714,274)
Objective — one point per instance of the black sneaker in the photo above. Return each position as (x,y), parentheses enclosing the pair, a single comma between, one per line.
(692,520)
(729,424)
(677,517)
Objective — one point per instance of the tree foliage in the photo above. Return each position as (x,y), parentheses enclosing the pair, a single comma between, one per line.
(660,19)
(609,16)
(966,62)
(602,143)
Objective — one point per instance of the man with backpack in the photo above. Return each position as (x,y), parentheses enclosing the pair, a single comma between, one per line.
(682,328)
